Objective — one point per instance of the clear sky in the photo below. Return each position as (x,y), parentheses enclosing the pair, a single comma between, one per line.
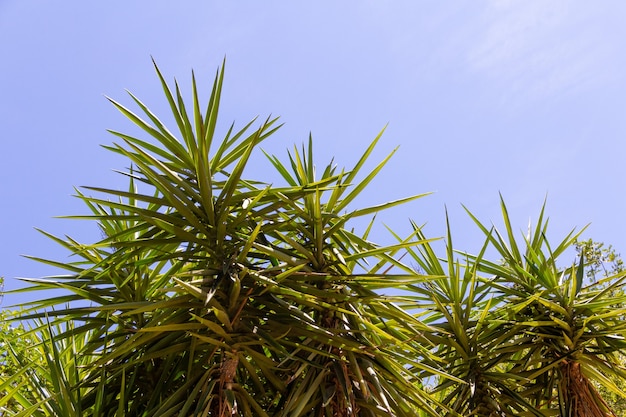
(526,98)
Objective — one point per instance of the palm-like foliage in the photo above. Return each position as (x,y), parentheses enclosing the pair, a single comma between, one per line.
(527,338)
(466,343)
(43,371)
(348,338)
(211,294)
(569,331)
(215,295)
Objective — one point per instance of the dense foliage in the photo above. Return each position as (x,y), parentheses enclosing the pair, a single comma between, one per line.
(214,294)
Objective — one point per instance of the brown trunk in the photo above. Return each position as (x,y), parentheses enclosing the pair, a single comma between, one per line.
(579,396)
(222,407)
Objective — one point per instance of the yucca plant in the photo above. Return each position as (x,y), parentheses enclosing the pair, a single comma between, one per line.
(569,331)
(43,371)
(471,350)
(14,341)
(352,351)
(519,336)
(214,295)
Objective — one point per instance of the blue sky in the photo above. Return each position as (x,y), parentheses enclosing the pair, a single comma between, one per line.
(526,98)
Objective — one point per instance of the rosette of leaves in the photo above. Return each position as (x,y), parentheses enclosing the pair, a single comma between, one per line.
(215,295)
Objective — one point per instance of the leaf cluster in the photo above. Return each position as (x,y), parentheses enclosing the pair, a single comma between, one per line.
(212,294)
(523,334)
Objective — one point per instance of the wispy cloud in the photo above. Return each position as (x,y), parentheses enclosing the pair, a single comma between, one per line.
(545,48)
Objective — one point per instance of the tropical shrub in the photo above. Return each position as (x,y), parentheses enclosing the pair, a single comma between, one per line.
(525,337)
(214,294)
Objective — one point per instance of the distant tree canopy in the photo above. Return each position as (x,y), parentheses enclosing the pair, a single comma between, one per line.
(601,261)
(215,294)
